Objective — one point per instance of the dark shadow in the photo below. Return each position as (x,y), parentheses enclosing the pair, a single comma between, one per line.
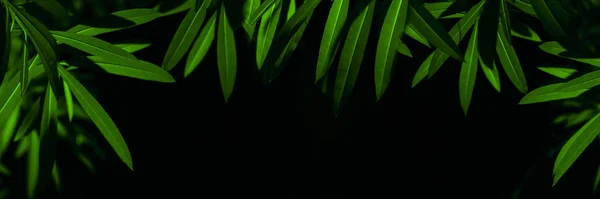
(109,21)
(169,5)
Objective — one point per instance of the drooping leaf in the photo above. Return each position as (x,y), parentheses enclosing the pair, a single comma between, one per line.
(393,27)
(552,17)
(132,47)
(201,45)
(266,33)
(422,71)
(226,55)
(487,32)
(68,101)
(523,31)
(468,71)
(554,48)
(31,116)
(457,33)
(249,7)
(33,163)
(260,11)
(575,146)
(117,21)
(505,20)
(24,145)
(25,69)
(549,93)
(403,49)
(187,31)
(510,61)
(99,116)
(438,8)
(331,36)
(92,45)
(586,81)
(559,72)
(162,7)
(492,74)
(297,20)
(351,56)
(7,129)
(291,9)
(48,138)
(523,6)
(433,31)
(137,69)
(411,32)
(42,40)
(56,177)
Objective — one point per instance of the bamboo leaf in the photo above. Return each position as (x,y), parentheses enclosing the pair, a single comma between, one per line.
(56,177)
(403,49)
(331,36)
(417,36)
(7,130)
(27,122)
(487,32)
(137,69)
(393,27)
(422,71)
(132,47)
(249,7)
(48,138)
(33,164)
(99,116)
(586,81)
(68,101)
(457,33)
(468,71)
(491,74)
(554,48)
(433,31)
(226,55)
(523,6)
(559,72)
(117,21)
(42,40)
(266,33)
(351,56)
(92,45)
(549,93)
(201,45)
(575,146)
(260,11)
(291,9)
(187,31)
(551,17)
(298,19)
(510,61)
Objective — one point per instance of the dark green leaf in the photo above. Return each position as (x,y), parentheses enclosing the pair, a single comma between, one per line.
(226,55)
(549,93)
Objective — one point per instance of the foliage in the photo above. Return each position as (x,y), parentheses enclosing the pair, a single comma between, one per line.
(40,76)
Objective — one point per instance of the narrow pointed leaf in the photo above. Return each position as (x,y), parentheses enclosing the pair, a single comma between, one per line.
(7,130)
(551,17)
(249,7)
(137,69)
(586,81)
(523,6)
(435,33)
(121,19)
(24,69)
(201,45)
(438,8)
(48,138)
(393,27)
(575,146)
(559,72)
(56,177)
(510,61)
(99,116)
(529,35)
(291,9)
(33,164)
(491,73)
(187,31)
(68,101)
(27,122)
(226,55)
(260,11)
(549,93)
(331,36)
(266,33)
(457,33)
(411,32)
(403,49)
(468,71)
(351,56)
(92,45)
(487,32)
(132,47)
(422,71)
(298,19)
(554,48)
(42,40)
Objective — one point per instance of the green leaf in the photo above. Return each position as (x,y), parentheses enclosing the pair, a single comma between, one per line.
(201,45)
(133,47)
(523,31)
(423,71)
(393,27)
(31,116)
(24,145)
(68,101)
(491,74)
(403,49)
(417,36)
(161,6)
(559,72)
(351,56)
(487,32)
(48,138)
(249,7)
(510,61)
(137,69)
(298,19)
(457,33)
(523,6)
(24,69)
(433,31)
(291,9)
(554,48)
(92,45)
(586,81)
(56,177)
(42,40)
(551,16)
(117,21)
(99,116)
(260,11)
(331,36)
(575,146)
(266,33)
(468,71)
(7,131)
(33,163)
(505,20)
(549,93)
(438,8)
(187,31)
(226,55)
